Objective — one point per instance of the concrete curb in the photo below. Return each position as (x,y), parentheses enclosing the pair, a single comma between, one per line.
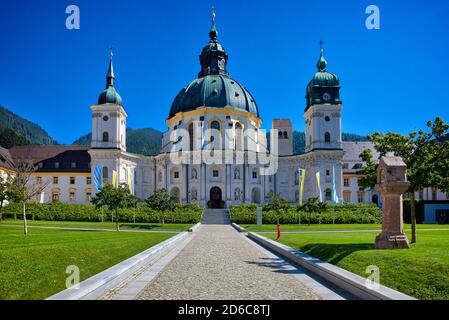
(97,285)
(195,227)
(344,279)
(238,228)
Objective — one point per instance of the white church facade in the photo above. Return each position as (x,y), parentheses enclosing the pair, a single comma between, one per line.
(214,151)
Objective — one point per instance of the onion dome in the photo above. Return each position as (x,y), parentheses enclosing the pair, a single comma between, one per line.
(324,88)
(214,88)
(110,95)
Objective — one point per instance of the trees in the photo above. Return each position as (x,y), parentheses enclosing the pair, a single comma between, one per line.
(424,154)
(23,189)
(369,170)
(161,200)
(312,205)
(114,199)
(280,206)
(4,187)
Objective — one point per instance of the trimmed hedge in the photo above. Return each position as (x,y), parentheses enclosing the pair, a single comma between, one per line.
(189,213)
(343,214)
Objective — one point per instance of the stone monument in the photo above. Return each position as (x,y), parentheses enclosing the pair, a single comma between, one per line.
(391,184)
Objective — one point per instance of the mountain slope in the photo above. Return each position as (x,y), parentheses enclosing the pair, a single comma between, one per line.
(9,138)
(144,141)
(22,127)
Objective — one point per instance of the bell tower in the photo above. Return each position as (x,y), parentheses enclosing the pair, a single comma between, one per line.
(323,109)
(109,117)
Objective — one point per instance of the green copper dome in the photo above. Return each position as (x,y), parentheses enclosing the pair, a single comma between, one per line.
(213,88)
(110,95)
(214,91)
(324,88)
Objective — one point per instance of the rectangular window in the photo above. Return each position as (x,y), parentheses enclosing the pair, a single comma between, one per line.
(328,173)
(55,180)
(254,174)
(345,166)
(176,174)
(72,180)
(215,174)
(40,165)
(347,197)
(72,196)
(39,180)
(346,182)
(88,196)
(88,180)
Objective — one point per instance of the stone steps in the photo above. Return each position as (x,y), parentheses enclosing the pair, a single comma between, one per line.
(216,216)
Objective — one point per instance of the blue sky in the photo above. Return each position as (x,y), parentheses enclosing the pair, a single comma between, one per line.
(393,79)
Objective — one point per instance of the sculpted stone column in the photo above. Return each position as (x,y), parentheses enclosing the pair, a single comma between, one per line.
(392,183)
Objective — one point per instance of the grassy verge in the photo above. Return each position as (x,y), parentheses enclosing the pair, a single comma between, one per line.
(33,267)
(422,271)
(106,225)
(303,227)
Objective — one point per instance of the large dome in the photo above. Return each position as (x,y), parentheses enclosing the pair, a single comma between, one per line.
(213,88)
(214,91)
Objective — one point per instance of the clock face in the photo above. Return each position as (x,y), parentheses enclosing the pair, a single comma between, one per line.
(326,96)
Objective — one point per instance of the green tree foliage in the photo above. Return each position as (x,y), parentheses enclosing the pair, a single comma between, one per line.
(114,199)
(278,204)
(313,205)
(425,156)
(23,188)
(162,201)
(5,185)
(31,131)
(369,170)
(9,138)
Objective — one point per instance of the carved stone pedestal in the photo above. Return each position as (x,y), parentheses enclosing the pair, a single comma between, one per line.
(392,183)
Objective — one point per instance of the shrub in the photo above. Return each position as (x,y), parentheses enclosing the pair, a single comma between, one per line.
(342,214)
(189,213)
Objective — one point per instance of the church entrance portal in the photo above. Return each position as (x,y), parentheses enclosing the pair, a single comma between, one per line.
(216,201)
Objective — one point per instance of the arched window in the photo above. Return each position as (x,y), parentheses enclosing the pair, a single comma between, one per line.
(215,131)
(191,137)
(160,176)
(327,137)
(105,173)
(238,137)
(285,135)
(105,136)
(328,194)
(280,134)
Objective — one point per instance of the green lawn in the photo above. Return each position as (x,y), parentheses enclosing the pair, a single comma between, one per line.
(421,271)
(303,227)
(106,225)
(33,267)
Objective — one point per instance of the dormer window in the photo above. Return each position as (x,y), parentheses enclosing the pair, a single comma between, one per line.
(73,165)
(57,165)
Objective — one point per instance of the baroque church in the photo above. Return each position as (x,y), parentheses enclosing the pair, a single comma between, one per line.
(214,152)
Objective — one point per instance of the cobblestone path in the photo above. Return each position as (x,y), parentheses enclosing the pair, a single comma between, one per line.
(220,263)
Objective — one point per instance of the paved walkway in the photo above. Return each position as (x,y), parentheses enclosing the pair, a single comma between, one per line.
(220,263)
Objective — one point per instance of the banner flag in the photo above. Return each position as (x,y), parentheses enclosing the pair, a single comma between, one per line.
(301,177)
(319,185)
(334,188)
(114,178)
(130,180)
(98,176)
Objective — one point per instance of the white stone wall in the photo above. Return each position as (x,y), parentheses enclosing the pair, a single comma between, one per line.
(111,119)
(317,125)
